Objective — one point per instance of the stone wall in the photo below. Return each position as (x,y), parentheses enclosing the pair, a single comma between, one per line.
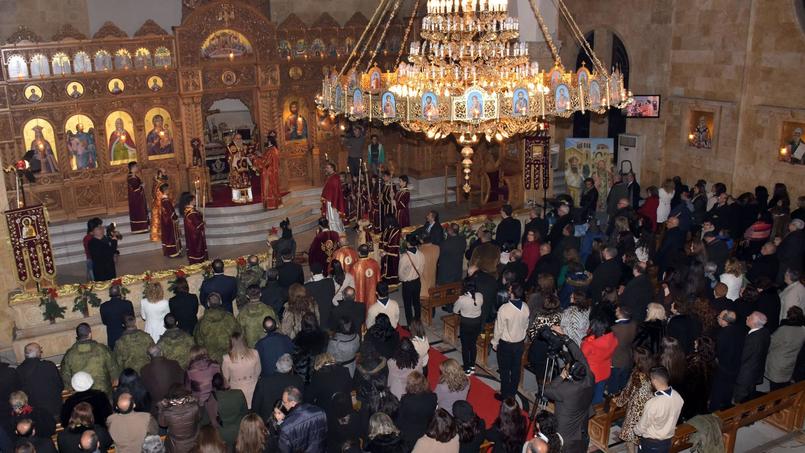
(44,17)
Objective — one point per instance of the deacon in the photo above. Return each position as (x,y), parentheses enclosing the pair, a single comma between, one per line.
(138,211)
(367,274)
(374,205)
(387,197)
(333,205)
(195,230)
(171,244)
(349,197)
(240,180)
(390,251)
(268,165)
(362,198)
(323,246)
(402,200)
(345,254)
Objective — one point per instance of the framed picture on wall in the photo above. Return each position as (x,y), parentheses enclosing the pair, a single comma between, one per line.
(644,106)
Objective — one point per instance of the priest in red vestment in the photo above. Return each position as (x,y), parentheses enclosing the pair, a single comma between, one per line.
(168,221)
(138,211)
(402,200)
(367,274)
(323,246)
(390,251)
(269,166)
(333,206)
(195,232)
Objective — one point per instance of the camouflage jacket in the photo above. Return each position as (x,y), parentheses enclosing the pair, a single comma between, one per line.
(95,359)
(175,344)
(252,275)
(250,318)
(131,350)
(213,331)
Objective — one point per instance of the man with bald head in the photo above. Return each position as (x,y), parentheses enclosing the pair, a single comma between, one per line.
(764,265)
(753,357)
(40,380)
(349,308)
(89,442)
(25,431)
(128,427)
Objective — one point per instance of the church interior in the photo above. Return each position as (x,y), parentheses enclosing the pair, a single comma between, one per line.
(193,91)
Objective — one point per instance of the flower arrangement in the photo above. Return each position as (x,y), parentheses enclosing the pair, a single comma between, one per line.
(85,299)
(51,310)
(176,275)
(147,278)
(123,290)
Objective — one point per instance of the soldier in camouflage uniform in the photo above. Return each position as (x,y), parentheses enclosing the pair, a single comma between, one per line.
(215,327)
(251,316)
(252,275)
(90,356)
(175,343)
(131,349)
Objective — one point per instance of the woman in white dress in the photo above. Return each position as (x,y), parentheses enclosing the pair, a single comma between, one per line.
(733,277)
(153,309)
(666,193)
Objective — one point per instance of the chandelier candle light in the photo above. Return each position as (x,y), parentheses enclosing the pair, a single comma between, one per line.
(469,76)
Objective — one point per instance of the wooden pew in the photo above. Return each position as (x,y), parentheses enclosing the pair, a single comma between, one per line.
(600,424)
(439,296)
(484,342)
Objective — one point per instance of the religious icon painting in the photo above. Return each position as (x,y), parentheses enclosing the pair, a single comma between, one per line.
(81,62)
(229,78)
(75,90)
(317,48)
(80,133)
(159,139)
(27,229)
(614,91)
(430,106)
(295,73)
(103,60)
(555,77)
(594,96)
(225,44)
(583,77)
(792,148)
(116,86)
(300,48)
(389,105)
(375,80)
(358,107)
(122,148)
(562,98)
(520,102)
(33,93)
(284,49)
(475,104)
(39,137)
(295,123)
(339,96)
(155,83)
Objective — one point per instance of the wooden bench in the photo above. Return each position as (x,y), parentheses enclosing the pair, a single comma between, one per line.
(439,296)
(600,425)
(784,409)
(484,341)
(451,328)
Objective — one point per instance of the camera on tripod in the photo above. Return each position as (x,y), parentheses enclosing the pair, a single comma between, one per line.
(555,342)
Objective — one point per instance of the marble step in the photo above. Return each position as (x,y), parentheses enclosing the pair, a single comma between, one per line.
(300,225)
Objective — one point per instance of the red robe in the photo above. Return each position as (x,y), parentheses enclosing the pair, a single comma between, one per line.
(138,211)
(347,256)
(387,204)
(322,249)
(332,193)
(171,243)
(402,199)
(364,203)
(389,263)
(367,273)
(195,236)
(269,165)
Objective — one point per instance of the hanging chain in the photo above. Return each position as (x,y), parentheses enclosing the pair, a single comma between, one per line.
(579,36)
(360,42)
(404,42)
(383,35)
(546,33)
(371,38)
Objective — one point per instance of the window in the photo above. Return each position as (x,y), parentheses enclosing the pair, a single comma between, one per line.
(17,67)
(61,64)
(103,61)
(162,57)
(142,59)
(40,66)
(81,62)
(122,59)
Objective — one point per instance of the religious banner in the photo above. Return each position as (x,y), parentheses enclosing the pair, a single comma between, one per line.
(589,158)
(30,244)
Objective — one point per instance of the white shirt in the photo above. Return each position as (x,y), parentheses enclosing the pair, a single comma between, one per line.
(664,208)
(734,285)
(660,415)
(391,309)
(349,281)
(154,316)
(511,324)
(408,262)
(468,306)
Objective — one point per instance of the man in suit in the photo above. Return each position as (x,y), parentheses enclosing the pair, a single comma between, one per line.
(40,380)
(510,230)
(270,387)
(549,263)
(433,228)
(753,358)
(672,247)
(348,308)
(632,189)
(273,294)
(682,326)
(589,200)
(450,267)
(487,285)
(160,374)
(556,235)
(729,344)
(606,275)
(322,290)
(113,311)
(637,294)
(272,346)
(717,251)
(536,223)
(765,265)
(224,285)
(625,330)
(289,272)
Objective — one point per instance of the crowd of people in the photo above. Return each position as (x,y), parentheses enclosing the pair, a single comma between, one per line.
(673,306)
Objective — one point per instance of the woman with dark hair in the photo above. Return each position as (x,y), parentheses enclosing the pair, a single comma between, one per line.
(706,315)
(573,277)
(547,315)
(649,208)
(416,408)
(383,336)
(546,427)
(780,209)
(209,441)
(200,371)
(130,381)
(343,423)
(530,251)
(253,436)
(390,250)
(509,430)
(404,362)
(81,420)
(546,288)
(180,413)
(699,202)
(576,318)
(637,392)
(672,357)
(468,306)
(299,303)
(286,244)
(780,198)
(370,370)
(469,426)
(421,343)
(341,279)
(231,406)
(309,342)
(762,197)
(441,435)
(184,305)
(598,348)
(344,344)
(699,377)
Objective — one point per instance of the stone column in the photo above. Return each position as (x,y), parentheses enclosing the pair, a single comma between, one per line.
(8,284)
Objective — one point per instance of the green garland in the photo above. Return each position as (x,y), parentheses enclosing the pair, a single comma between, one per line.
(51,310)
(85,299)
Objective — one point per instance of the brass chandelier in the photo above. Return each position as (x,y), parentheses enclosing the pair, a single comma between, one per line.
(467,76)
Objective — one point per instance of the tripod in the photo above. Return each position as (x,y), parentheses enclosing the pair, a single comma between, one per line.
(550,368)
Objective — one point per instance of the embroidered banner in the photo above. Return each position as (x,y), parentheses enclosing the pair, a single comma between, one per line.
(30,244)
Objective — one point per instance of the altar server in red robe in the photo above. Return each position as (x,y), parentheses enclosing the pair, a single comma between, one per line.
(269,166)
(345,254)
(138,211)
(169,223)
(367,274)
(323,246)
(195,230)
(333,205)
(402,201)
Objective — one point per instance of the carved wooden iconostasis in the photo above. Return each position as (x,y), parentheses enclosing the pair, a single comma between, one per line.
(87,106)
